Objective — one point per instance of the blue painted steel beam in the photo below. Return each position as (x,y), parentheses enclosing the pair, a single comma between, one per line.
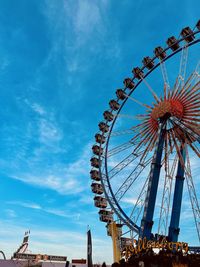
(147,220)
(177,200)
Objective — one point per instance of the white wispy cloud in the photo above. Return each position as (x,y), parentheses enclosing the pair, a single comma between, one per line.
(81,22)
(64,184)
(11,213)
(38,108)
(45,124)
(60,177)
(129,200)
(25,204)
(63,213)
(65,178)
(87,18)
(54,211)
(49,132)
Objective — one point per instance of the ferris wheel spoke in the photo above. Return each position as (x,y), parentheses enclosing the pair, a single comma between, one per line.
(141,126)
(191,125)
(122,132)
(134,155)
(195,149)
(186,95)
(191,121)
(132,117)
(165,75)
(168,136)
(191,99)
(192,194)
(183,65)
(188,129)
(192,106)
(176,89)
(195,75)
(139,204)
(136,171)
(190,82)
(180,92)
(178,149)
(190,118)
(138,102)
(197,71)
(132,177)
(119,149)
(192,112)
(150,89)
(165,93)
(145,130)
(123,164)
(150,145)
(146,141)
(190,79)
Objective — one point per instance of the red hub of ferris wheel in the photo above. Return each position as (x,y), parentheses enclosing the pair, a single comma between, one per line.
(169,106)
(182,104)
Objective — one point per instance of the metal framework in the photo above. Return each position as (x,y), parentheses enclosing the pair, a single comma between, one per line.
(167,132)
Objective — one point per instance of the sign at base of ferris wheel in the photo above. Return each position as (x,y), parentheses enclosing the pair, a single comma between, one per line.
(38,257)
(144,245)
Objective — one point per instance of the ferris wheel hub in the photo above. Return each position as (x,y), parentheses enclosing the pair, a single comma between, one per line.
(167,108)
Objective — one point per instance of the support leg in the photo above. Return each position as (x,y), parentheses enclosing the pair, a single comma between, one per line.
(147,220)
(176,208)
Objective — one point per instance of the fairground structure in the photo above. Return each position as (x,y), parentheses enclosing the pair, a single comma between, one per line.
(146,156)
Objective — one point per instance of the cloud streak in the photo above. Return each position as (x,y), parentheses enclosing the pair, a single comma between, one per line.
(35,206)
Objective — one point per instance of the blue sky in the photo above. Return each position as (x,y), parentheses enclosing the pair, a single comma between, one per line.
(61,62)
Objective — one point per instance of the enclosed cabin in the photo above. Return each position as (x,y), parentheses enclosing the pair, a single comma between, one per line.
(106,216)
(129,83)
(100,202)
(103,127)
(138,73)
(95,162)
(94,174)
(100,138)
(148,63)
(173,43)
(114,105)
(160,53)
(108,115)
(97,150)
(97,188)
(187,34)
(120,94)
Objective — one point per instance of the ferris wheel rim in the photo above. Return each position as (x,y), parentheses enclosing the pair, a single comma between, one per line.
(126,220)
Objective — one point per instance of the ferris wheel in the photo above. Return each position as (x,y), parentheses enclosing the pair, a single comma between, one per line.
(146,157)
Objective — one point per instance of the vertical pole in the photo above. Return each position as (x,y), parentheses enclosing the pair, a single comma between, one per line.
(115,230)
(147,220)
(176,208)
(89,249)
